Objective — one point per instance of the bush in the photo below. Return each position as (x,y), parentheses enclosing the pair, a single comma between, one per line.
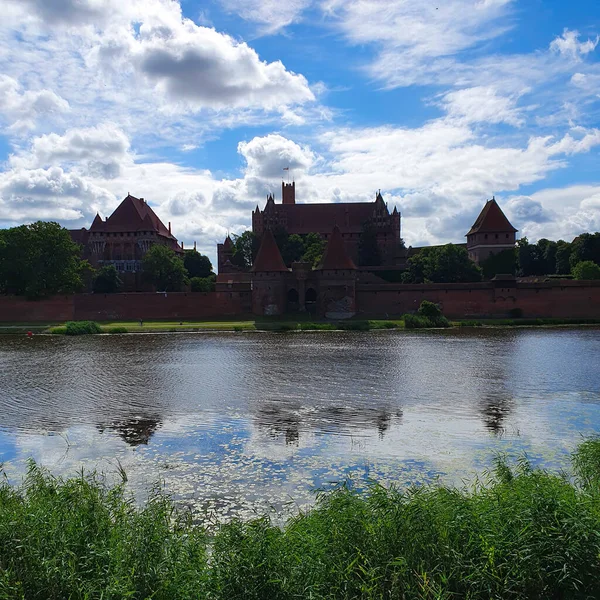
(389,325)
(586,270)
(82,328)
(421,322)
(116,330)
(523,534)
(429,309)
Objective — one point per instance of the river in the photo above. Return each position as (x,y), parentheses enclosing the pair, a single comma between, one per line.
(244,422)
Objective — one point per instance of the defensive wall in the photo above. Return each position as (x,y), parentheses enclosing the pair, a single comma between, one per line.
(134,306)
(559,299)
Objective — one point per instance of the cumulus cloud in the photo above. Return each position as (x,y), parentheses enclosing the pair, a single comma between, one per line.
(22,108)
(33,194)
(97,150)
(568,45)
(522,209)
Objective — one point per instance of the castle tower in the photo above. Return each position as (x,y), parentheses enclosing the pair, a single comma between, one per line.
(268,278)
(491,233)
(225,256)
(337,280)
(288,192)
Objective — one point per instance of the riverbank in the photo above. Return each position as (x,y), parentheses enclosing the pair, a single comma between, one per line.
(280,324)
(524,533)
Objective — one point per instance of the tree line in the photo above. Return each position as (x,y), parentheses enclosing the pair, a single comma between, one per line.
(41,260)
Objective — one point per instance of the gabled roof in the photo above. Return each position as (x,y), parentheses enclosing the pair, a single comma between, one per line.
(491,220)
(133,214)
(336,257)
(269,257)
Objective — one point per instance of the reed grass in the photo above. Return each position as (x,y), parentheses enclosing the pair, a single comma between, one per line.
(523,533)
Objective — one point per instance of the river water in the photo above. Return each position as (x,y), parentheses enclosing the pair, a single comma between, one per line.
(244,422)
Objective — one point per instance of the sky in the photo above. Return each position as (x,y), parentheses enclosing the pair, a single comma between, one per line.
(199,106)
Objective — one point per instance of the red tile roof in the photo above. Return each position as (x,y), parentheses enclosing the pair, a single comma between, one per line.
(268,257)
(336,257)
(133,214)
(492,220)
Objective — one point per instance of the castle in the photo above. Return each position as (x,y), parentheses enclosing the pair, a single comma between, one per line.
(271,286)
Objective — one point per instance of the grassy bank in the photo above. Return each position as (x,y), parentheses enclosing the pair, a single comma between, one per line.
(525,534)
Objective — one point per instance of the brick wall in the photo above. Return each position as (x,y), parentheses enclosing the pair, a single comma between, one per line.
(18,310)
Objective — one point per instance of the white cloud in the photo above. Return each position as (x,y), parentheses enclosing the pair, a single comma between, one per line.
(482,104)
(23,108)
(271,15)
(568,45)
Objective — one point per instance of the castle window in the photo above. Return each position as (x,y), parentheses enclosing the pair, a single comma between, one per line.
(507,236)
(485,236)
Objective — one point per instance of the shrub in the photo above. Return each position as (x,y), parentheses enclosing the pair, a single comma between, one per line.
(389,325)
(586,270)
(429,309)
(421,322)
(116,330)
(82,328)
(237,328)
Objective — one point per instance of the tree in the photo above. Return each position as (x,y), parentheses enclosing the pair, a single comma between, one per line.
(293,249)
(107,280)
(368,247)
(527,258)
(586,269)
(585,247)
(314,247)
(245,249)
(164,269)
(442,264)
(546,252)
(40,260)
(503,263)
(203,284)
(563,255)
(196,264)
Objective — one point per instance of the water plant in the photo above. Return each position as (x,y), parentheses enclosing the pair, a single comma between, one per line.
(521,533)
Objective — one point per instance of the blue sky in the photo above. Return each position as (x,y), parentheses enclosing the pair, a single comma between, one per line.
(198,107)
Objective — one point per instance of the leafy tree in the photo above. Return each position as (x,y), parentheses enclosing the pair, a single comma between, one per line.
(546,254)
(245,249)
(107,280)
(368,247)
(293,249)
(527,258)
(196,264)
(586,269)
(203,284)
(441,264)
(504,263)
(164,269)
(40,260)
(314,247)
(585,247)
(563,255)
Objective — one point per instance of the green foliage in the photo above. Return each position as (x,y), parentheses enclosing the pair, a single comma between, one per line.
(563,257)
(293,249)
(40,260)
(314,248)
(245,249)
(107,280)
(522,534)
(422,322)
(586,269)
(585,247)
(196,264)
(503,263)
(164,269)
(82,328)
(203,284)
(441,264)
(117,330)
(429,309)
(368,247)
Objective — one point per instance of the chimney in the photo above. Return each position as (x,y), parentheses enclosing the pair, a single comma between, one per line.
(194,246)
(143,200)
(169,226)
(182,245)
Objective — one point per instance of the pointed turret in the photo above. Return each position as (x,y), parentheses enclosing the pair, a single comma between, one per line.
(97,223)
(491,220)
(336,257)
(268,257)
(227,244)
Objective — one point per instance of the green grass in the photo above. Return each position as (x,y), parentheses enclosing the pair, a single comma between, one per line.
(523,534)
(523,322)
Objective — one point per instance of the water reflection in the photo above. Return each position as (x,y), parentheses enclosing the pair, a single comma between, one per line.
(232,422)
